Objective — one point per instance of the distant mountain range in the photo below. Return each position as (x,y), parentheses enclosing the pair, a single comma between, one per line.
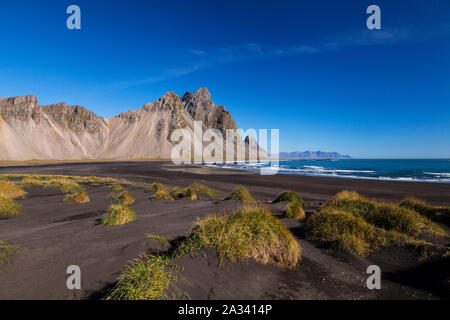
(312,155)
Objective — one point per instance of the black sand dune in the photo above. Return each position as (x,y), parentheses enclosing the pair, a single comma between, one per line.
(53,235)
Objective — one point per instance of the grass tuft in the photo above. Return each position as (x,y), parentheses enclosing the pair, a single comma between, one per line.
(79,197)
(354,223)
(341,230)
(241,194)
(8,207)
(158,187)
(145,278)
(202,189)
(114,196)
(384,215)
(11,190)
(6,252)
(163,241)
(118,215)
(31,182)
(125,198)
(116,187)
(294,210)
(290,196)
(249,233)
(184,193)
(161,195)
(438,214)
(64,185)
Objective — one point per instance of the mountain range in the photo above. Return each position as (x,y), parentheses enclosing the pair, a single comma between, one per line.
(61,132)
(312,155)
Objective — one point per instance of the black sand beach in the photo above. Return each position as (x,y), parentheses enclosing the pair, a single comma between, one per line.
(52,235)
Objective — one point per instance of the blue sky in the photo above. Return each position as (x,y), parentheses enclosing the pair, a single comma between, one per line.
(310,68)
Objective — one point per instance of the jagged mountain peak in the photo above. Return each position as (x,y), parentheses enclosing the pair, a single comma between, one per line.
(18,100)
(58,131)
(201,107)
(203,93)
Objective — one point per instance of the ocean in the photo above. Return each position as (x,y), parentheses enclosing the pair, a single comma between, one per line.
(424,170)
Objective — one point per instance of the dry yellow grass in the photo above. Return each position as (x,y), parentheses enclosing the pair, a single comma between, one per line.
(438,214)
(6,252)
(294,210)
(9,208)
(79,197)
(145,278)
(161,195)
(64,185)
(290,196)
(354,223)
(241,194)
(11,190)
(125,198)
(155,187)
(116,187)
(188,193)
(249,233)
(41,179)
(118,215)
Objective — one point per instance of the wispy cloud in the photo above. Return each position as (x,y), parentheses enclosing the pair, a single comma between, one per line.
(366,38)
(168,74)
(252,51)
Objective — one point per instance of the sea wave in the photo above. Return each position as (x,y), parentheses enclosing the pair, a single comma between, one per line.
(439,174)
(314,170)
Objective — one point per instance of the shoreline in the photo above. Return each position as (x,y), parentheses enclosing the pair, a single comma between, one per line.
(313,187)
(38,163)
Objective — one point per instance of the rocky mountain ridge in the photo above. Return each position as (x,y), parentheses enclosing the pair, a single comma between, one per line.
(60,132)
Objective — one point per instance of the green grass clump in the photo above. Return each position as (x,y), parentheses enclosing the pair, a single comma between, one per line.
(10,190)
(161,195)
(158,187)
(241,194)
(114,196)
(31,183)
(57,182)
(46,180)
(9,208)
(354,223)
(118,215)
(249,233)
(202,189)
(116,187)
(294,210)
(145,278)
(125,198)
(438,214)
(188,193)
(290,196)
(64,185)
(192,191)
(79,197)
(341,230)
(163,241)
(6,252)
(384,215)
